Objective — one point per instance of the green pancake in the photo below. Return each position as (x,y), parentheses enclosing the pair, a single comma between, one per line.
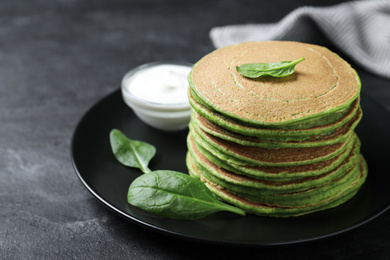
(299,197)
(341,134)
(250,155)
(282,173)
(279,135)
(327,119)
(244,184)
(274,210)
(322,84)
(276,174)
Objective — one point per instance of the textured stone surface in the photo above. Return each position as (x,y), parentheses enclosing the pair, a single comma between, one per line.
(57,58)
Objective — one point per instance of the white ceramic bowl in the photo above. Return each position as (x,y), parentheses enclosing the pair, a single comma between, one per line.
(163,116)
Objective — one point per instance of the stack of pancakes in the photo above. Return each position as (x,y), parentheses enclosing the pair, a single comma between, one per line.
(276,146)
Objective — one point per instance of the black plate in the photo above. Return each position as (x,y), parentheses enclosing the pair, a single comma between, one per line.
(108,181)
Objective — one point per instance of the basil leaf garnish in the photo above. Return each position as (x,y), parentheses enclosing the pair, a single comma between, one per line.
(131,153)
(175,195)
(273,69)
(165,193)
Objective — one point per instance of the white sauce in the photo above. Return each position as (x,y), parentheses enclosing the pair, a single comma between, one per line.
(164,84)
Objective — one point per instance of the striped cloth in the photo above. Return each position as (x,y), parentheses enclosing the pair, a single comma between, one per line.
(361,29)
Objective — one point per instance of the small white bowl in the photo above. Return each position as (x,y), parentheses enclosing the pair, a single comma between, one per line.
(161,115)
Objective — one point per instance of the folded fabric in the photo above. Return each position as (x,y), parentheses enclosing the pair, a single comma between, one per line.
(360,29)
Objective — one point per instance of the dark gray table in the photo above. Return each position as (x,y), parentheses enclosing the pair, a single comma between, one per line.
(57,58)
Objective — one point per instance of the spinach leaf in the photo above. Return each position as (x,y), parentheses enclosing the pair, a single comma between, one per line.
(175,195)
(274,69)
(131,153)
(166,193)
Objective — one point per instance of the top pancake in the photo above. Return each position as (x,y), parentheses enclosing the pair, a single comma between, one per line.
(322,84)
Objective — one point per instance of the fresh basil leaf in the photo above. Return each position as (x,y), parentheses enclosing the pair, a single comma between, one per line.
(175,195)
(131,153)
(274,69)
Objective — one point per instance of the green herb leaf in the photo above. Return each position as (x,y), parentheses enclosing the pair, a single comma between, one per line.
(274,69)
(166,193)
(175,195)
(131,153)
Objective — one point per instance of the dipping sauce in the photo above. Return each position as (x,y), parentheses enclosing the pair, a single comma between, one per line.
(157,93)
(164,84)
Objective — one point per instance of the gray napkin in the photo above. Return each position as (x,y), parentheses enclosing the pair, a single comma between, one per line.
(361,29)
